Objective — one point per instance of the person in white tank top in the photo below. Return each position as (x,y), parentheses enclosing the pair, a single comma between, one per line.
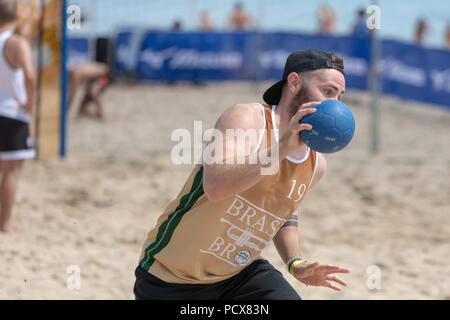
(17,89)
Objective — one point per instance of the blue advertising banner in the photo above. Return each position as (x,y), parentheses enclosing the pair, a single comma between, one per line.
(277,46)
(127,48)
(175,56)
(123,45)
(407,70)
(78,51)
(416,73)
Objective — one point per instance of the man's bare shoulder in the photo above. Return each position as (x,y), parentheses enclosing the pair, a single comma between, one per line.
(15,47)
(17,42)
(242,115)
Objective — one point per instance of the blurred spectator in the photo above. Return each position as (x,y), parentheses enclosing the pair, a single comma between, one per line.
(95,75)
(360,28)
(240,19)
(327,20)
(206,22)
(447,36)
(176,26)
(421,30)
(17,92)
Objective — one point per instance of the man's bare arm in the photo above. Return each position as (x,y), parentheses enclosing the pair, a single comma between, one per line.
(287,244)
(228,177)
(286,240)
(223,180)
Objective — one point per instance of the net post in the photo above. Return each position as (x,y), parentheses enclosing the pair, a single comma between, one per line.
(62,148)
(374,81)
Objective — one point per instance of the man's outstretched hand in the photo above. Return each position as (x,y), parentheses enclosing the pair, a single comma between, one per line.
(315,274)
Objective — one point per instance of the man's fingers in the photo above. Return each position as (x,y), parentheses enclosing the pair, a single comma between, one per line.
(337,279)
(310,104)
(302,113)
(305,126)
(334,269)
(331,286)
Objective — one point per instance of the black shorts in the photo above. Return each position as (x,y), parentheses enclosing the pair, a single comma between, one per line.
(258,281)
(15,140)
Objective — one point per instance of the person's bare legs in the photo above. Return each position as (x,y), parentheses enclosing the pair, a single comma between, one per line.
(83,109)
(10,170)
(84,72)
(74,82)
(95,92)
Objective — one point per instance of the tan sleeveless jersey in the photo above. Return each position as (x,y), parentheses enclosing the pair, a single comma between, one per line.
(199,241)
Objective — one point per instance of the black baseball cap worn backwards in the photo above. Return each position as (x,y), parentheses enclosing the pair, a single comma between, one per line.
(300,61)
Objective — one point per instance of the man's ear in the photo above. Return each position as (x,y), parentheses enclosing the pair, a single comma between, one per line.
(294,82)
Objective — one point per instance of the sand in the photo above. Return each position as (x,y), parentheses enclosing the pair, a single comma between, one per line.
(91,211)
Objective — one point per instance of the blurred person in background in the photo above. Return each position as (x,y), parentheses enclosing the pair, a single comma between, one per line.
(17,91)
(94,88)
(176,26)
(360,28)
(327,20)
(206,22)
(239,19)
(95,76)
(420,32)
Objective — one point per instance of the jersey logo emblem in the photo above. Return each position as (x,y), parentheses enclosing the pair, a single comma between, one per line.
(242,257)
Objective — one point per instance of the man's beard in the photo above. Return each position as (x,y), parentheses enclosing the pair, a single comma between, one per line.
(302,97)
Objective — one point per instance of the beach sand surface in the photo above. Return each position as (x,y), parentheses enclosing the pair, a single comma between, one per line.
(79,223)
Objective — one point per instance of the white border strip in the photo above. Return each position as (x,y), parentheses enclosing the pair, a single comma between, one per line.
(262,130)
(18,154)
(298,161)
(315,169)
(275,129)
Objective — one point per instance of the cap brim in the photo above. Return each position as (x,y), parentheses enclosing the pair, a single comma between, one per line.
(273,94)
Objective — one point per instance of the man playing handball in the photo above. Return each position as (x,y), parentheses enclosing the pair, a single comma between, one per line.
(208,241)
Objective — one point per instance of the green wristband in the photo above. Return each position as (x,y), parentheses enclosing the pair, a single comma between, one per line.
(292,263)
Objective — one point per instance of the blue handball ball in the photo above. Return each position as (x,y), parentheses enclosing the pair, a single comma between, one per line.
(333,127)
